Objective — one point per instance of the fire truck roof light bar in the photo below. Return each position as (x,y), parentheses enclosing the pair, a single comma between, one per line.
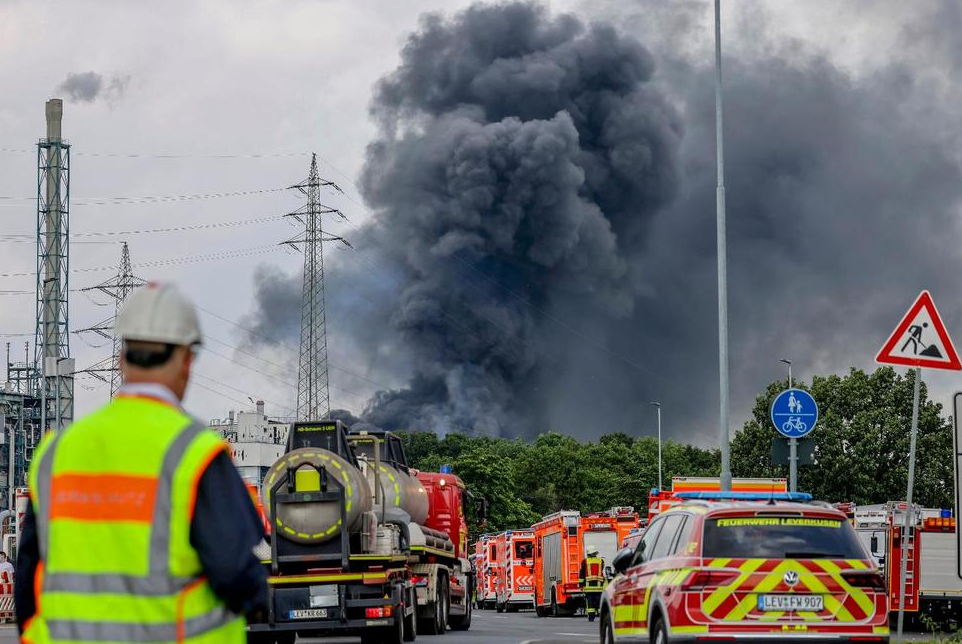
(801,497)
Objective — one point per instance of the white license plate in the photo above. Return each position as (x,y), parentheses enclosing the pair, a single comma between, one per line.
(309,613)
(811,603)
(522,589)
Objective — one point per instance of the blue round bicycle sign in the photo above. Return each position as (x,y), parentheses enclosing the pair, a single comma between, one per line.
(794,413)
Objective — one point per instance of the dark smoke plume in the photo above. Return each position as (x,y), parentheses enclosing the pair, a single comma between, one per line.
(519,154)
(542,251)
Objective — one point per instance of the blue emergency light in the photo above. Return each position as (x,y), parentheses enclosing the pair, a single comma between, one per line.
(945,514)
(800,497)
(446,469)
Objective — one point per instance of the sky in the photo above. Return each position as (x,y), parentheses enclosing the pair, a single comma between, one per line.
(843,197)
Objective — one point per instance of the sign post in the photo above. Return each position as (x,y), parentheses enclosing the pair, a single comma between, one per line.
(919,340)
(794,414)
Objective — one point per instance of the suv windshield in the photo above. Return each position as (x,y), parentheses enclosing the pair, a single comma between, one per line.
(774,537)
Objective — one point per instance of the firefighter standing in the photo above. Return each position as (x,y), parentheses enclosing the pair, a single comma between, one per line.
(592,581)
(139,527)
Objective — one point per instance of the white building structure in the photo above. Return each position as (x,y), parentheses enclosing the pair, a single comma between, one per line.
(256,440)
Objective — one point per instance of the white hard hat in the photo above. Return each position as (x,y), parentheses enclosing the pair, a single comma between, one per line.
(158,313)
(592,551)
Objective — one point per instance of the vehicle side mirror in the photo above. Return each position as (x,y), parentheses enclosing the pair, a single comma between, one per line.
(622,560)
(874,545)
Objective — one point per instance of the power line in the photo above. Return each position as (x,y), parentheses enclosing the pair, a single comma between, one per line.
(121,155)
(144,231)
(286,347)
(121,200)
(188,259)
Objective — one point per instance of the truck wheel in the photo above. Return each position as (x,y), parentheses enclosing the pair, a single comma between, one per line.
(554,604)
(410,621)
(498,607)
(540,611)
(435,624)
(445,603)
(462,622)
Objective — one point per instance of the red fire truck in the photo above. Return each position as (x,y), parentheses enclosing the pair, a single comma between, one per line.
(485,555)
(932,585)
(661,500)
(605,531)
(561,540)
(514,570)
(557,560)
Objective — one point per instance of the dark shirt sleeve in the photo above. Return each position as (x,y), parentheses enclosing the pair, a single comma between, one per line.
(28,557)
(224,531)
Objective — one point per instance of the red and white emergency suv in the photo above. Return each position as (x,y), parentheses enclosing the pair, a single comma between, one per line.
(746,567)
(514,570)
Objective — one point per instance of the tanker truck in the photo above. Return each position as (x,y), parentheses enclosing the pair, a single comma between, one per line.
(360,543)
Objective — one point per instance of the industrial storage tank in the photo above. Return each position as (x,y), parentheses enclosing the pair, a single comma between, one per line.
(400,490)
(314,523)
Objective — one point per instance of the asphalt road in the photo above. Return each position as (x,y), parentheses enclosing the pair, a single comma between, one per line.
(490,628)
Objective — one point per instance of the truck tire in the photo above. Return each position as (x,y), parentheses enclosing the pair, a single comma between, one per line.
(445,597)
(411,621)
(462,622)
(498,607)
(435,624)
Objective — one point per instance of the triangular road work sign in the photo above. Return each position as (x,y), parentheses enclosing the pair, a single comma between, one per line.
(920,339)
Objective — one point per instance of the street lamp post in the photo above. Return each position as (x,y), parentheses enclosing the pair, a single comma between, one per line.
(792,444)
(657,405)
(723,438)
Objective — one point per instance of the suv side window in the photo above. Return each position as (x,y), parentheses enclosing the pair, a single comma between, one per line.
(667,537)
(684,536)
(647,542)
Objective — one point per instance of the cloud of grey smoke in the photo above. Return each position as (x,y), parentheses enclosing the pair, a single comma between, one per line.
(519,155)
(86,87)
(544,224)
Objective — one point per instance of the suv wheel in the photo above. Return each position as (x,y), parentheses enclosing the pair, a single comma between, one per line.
(607,629)
(659,635)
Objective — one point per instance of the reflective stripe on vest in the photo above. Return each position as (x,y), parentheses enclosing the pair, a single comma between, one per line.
(151,589)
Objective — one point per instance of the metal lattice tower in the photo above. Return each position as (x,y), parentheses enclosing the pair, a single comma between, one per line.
(118,288)
(52,341)
(313,392)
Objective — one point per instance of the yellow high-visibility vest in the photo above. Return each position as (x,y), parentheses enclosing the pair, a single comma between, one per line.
(594,573)
(114,497)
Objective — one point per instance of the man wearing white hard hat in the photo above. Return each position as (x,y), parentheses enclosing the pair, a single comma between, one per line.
(592,580)
(139,527)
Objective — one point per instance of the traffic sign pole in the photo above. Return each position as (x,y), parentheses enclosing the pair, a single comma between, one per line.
(792,445)
(793,465)
(909,513)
